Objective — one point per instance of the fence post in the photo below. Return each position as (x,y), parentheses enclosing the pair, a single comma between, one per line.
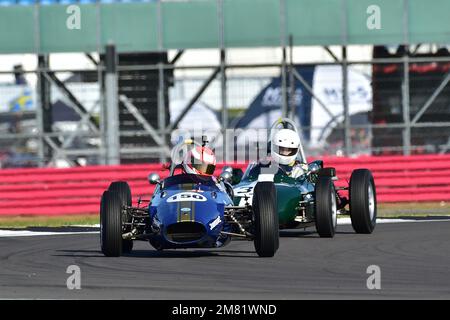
(45,105)
(161,102)
(406,133)
(100,75)
(223,84)
(102,119)
(162,108)
(405,105)
(347,124)
(112,108)
(284,80)
(40,121)
(291,96)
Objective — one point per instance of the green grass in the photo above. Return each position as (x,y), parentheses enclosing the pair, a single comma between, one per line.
(48,221)
(414,209)
(443,205)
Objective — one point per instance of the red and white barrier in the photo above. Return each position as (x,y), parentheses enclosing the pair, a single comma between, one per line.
(78,190)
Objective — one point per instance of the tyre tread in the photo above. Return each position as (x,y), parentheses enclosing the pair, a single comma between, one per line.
(111,220)
(266,219)
(359,211)
(324,219)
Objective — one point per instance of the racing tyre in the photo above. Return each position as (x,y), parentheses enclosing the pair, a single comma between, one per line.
(124,191)
(265,219)
(363,201)
(326,208)
(111,224)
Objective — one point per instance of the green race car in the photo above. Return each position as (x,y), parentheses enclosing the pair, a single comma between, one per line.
(311,198)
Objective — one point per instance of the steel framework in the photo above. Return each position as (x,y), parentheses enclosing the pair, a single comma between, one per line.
(109,152)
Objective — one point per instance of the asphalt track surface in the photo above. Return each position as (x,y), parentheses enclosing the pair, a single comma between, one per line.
(414,259)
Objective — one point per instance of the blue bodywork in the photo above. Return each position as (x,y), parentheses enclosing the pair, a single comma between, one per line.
(187,211)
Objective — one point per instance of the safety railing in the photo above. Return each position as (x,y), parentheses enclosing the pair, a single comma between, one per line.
(46,191)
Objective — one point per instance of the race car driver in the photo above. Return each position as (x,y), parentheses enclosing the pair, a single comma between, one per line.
(200,160)
(285,144)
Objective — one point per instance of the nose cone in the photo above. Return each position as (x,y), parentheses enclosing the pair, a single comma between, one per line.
(194,217)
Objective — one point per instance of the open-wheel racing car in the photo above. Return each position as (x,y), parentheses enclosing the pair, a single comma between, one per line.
(188,210)
(310,198)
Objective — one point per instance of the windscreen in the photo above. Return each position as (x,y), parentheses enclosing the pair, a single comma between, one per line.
(190,181)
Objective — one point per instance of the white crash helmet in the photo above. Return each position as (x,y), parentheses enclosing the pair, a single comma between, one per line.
(285,144)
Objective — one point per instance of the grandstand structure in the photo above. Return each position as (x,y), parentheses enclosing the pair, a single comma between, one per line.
(135,76)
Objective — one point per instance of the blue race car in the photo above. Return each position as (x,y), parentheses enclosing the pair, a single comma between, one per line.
(188,211)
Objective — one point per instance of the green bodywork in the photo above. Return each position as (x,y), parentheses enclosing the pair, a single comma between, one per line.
(289,193)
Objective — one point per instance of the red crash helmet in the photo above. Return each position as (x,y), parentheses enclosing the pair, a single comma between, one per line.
(200,160)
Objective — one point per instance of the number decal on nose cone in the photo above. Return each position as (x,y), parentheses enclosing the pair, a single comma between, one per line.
(186,196)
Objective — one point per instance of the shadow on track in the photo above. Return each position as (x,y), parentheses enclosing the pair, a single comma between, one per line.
(308,234)
(181,253)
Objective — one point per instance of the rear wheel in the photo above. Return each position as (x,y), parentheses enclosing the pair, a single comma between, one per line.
(111,224)
(363,201)
(326,208)
(124,191)
(265,219)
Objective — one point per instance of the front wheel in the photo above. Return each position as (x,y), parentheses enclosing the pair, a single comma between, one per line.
(363,201)
(265,219)
(124,191)
(326,208)
(111,224)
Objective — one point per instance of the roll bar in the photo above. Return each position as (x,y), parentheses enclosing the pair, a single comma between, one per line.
(285,122)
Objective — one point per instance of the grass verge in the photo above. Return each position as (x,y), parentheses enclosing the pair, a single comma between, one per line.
(48,221)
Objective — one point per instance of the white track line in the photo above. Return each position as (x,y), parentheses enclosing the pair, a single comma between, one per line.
(27,233)
(345,221)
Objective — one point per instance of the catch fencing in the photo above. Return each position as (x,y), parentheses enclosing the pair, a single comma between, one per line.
(47,191)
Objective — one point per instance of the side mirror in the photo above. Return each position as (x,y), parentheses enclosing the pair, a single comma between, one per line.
(313,167)
(153,178)
(236,174)
(227,169)
(226,176)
